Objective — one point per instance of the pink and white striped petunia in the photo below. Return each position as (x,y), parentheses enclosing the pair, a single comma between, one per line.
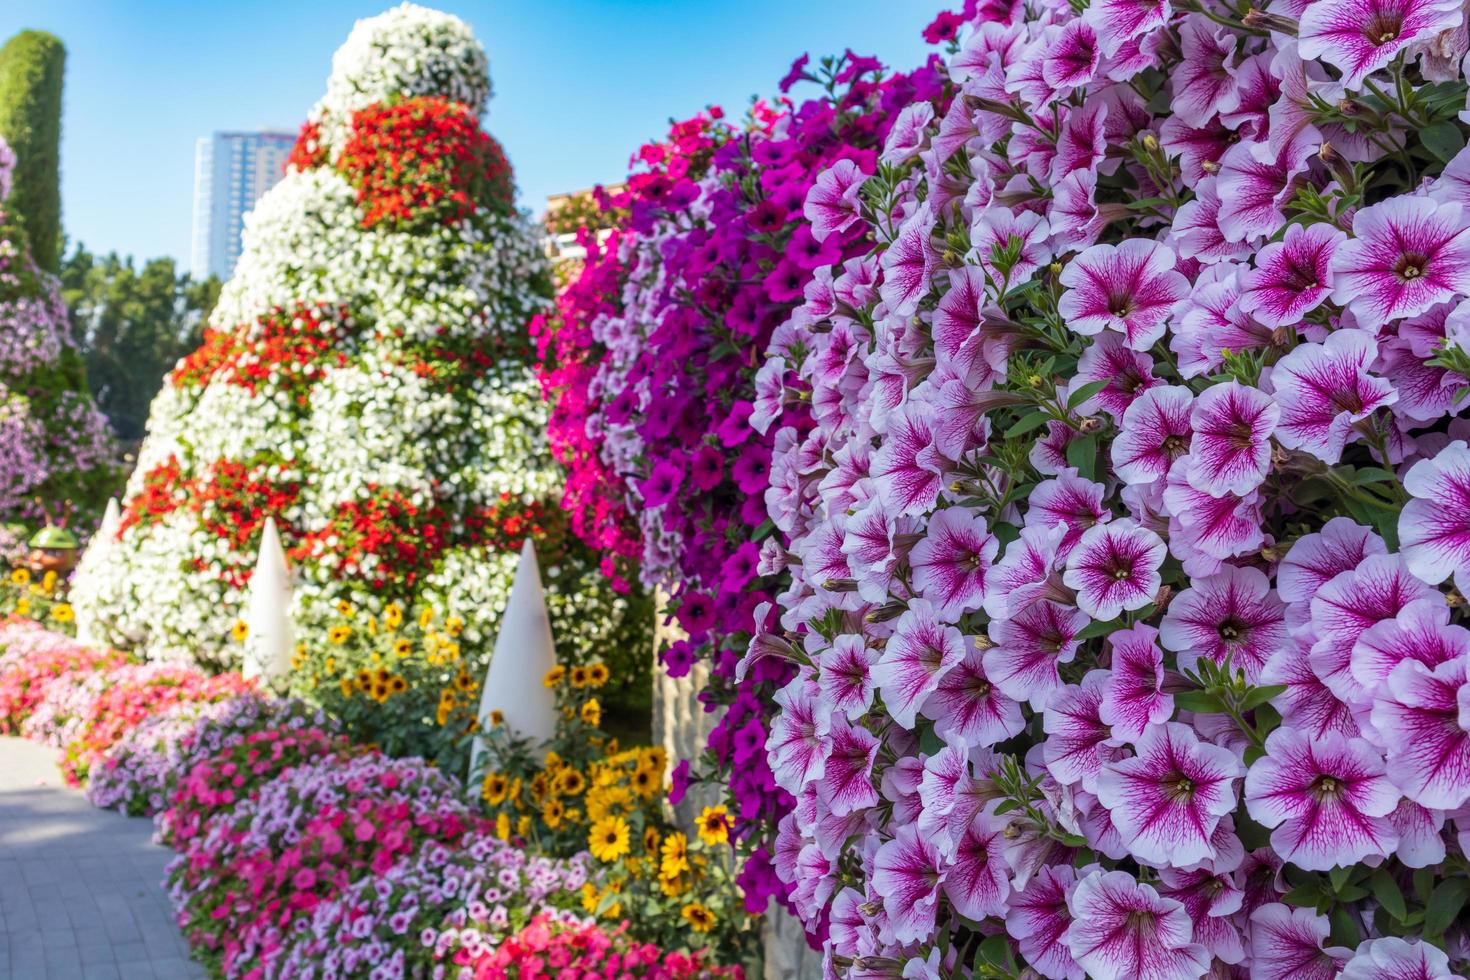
(977,884)
(1362,36)
(1421,631)
(1122,930)
(846,681)
(1323,389)
(798,745)
(909,470)
(1022,234)
(1155,431)
(1120,21)
(951,562)
(1327,798)
(918,655)
(1230,451)
(834,204)
(1230,614)
(1434,526)
(1133,697)
(1212,900)
(846,785)
(1029,646)
(909,263)
(1419,718)
(1318,558)
(1131,288)
(1406,254)
(967,709)
(1392,958)
(907,874)
(1286,944)
(1168,799)
(1071,500)
(1115,567)
(1027,571)
(1349,605)
(1292,277)
(1037,919)
(1076,737)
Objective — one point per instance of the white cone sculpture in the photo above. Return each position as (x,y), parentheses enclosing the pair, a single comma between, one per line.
(98,552)
(268,613)
(524,654)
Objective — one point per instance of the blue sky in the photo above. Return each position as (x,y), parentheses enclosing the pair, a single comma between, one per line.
(579,84)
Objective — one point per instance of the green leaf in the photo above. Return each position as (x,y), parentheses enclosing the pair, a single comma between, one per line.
(1082,453)
(1445,905)
(1304,896)
(1386,890)
(1097,629)
(1345,931)
(1028,422)
(1260,695)
(1443,139)
(1339,877)
(1006,806)
(1087,391)
(995,950)
(1371,474)
(1201,702)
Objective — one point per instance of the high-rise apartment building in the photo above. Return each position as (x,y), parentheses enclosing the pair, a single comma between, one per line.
(231,172)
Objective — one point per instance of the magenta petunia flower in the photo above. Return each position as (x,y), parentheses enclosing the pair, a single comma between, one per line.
(1328,799)
(1362,36)
(909,263)
(1028,648)
(918,655)
(1212,900)
(977,884)
(1133,697)
(1155,431)
(1115,567)
(797,746)
(1286,944)
(1324,388)
(1166,801)
(1419,719)
(1254,190)
(998,229)
(1027,570)
(967,709)
(1075,740)
(834,204)
(1070,500)
(1318,558)
(1231,448)
(951,562)
(1392,958)
(1230,614)
(1406,254)
(908,470)
(1307,704)
(846,784)
(1421,631)
(1293,276)
(1070,56)
(1120,21)
(1204,80)
(1128,373)
(1037,919)
(1131,287)
(1216,528)
(1122,930)
(846,681)
(1346,607)
(1434,526)
(906,873)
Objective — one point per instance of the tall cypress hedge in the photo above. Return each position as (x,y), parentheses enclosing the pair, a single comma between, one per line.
(31,67)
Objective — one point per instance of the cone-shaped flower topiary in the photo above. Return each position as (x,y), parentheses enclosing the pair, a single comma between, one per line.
(364,380)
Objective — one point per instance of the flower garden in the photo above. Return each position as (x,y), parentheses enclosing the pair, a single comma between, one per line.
(1046,465)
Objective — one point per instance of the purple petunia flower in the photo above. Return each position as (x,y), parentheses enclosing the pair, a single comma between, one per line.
(1167,801)
(906,873)
(909,262)
(999,230)
(1421,718)
(1131,287)
(1231,448)
(834,204)
(1406,254)
(909,471)
(967,709)
(1421,631)
(1122,930)
(1038,917)
(1392,958)
(1327,797)
(1133,697)
(1434,526)
(1323,389)
(1286,944)
(1362,36)
(1028,648)
(1293,276)
(1076,736)
(1318,558)
(1155,432)
(951,563)
(1115,567)
(977,883)
(1230,614)
(918,655)
(846,681)
(1119,21)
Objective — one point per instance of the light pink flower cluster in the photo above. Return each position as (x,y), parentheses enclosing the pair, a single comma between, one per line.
(1121,547)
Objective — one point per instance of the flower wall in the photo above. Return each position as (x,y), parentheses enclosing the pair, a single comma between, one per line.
(54,444)
(363,380)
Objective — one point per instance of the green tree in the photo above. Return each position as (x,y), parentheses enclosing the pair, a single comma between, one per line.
(31,68)
(133,325)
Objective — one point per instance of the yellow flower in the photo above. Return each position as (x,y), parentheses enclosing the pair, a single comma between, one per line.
(339,634)
(554,812)
(331,664)
(579,677)
(23,606)
(497,717)
(494,787)
(589,898)
(675,855)
(554,676)
(523,827)
(714,825)
(651,839)
(344,608)
(609,839)
(597,675)
(645,783)
(397,685)
(48,582)
(62,613)
(502,826)
(347,687)
(454,625)
(655,759)
(699,917)
(402,648)
(674,887)
(569,782)
(592,713)
(240,630)
(21,576)
(426,617)
(392,616)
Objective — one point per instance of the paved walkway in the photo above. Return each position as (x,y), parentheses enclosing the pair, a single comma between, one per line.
(80,897)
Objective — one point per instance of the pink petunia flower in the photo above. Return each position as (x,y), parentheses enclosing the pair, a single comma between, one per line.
(1155,431)
(1419,719)
(846,784)
(977,884)
(1286,944)
(1318,558)
(908,470)
(1027,570)
(1212,900)
(1168,799)
(1070,500)
(1131,287)
(1133,697)
(1028,648)
(907,874)
(909,263)
(1122,930)
(1327,799)
(1038,917)
(951,563)
(1346,607)
(846,681)
(1293,276)
(1128,373)
(1421,631)
(918,655)
(1115,567)
(1022,233)
(1254,186)
(1362,36)
(834,204)
(1392,958)
(1076,736)
(1323,389)
(967,709)
(1434,526)
(1204,79)
(1230,614)
(1231,448)
(1406,254)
